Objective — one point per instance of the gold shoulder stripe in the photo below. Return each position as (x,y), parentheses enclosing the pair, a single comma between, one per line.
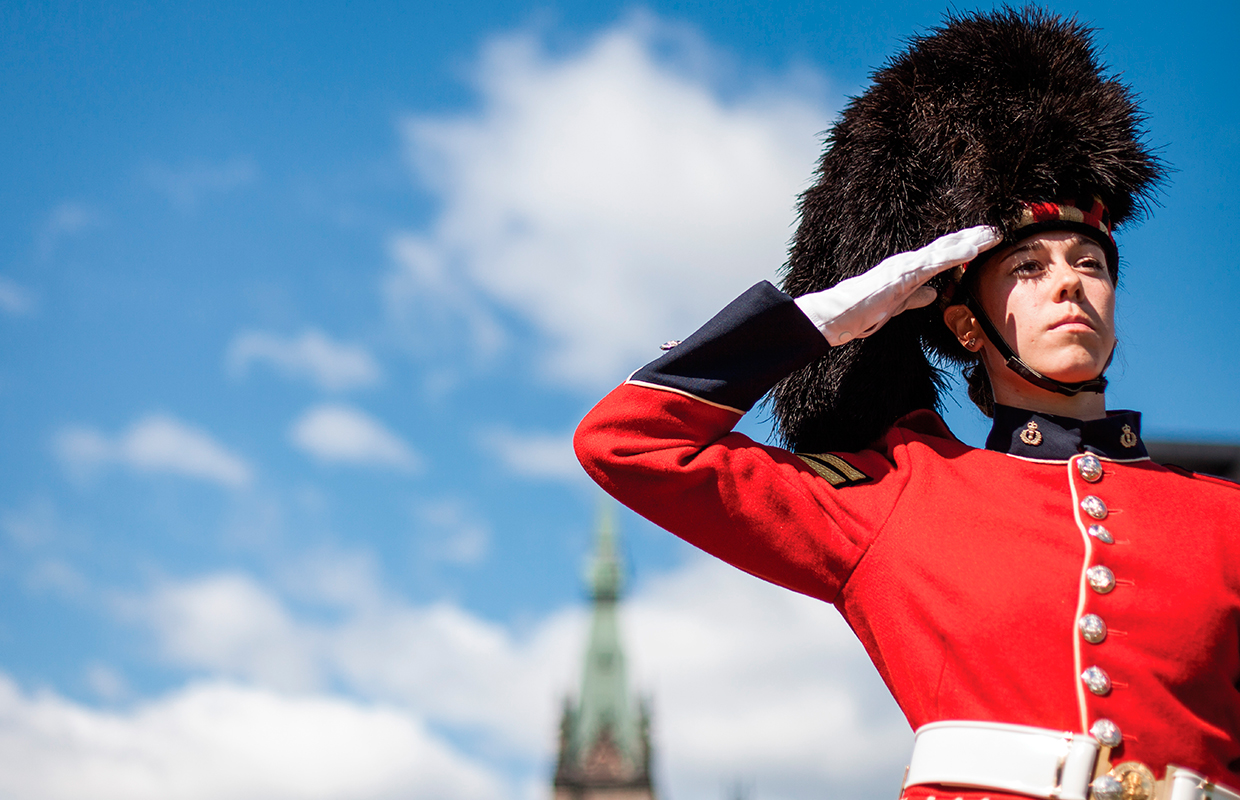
(845,469)
(826,473)
(835,470)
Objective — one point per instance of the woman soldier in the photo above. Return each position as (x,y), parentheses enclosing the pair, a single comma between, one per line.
(1055,614)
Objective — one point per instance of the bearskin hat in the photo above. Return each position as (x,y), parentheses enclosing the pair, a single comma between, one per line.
(971,122)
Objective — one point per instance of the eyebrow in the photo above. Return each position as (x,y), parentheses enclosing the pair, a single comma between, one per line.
(1038,244)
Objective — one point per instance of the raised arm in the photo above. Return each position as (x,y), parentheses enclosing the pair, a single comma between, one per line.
(663,445)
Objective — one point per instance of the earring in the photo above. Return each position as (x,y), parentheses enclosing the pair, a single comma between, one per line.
(969,345)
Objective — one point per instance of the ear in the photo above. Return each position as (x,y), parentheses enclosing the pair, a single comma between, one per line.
(964,325)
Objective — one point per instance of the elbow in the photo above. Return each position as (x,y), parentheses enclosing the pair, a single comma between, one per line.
(591,446)
(608,444)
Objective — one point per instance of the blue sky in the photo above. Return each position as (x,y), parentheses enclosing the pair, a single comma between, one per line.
(300,303)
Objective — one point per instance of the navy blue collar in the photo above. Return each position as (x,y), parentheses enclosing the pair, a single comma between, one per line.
(1047,437)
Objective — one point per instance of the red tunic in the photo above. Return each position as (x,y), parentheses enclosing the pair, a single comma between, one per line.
(964,571)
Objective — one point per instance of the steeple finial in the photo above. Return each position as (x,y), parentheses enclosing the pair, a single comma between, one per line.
(605,576)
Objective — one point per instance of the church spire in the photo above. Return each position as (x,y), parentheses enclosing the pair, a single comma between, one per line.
(605,576)
(604,709)
(604,736)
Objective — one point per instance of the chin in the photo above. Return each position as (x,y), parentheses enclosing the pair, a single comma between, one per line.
(1071,359)
(1074,370)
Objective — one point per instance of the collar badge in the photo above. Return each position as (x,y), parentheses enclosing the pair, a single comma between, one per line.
(1128,438)
(1031,435)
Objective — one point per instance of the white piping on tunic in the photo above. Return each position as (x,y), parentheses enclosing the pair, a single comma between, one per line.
(1082,595)
(683,393)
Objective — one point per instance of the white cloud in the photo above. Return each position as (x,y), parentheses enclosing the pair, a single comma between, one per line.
(334,433)
(57,577)
(440,659)
(333,577)
(106,682)
(66,219)
(453,532)
(36,525)
(606,198)
(226,622)
(187,185)
(156,443)
(14,299)
(313,355)
(534,454)
(220,741)
(755,683)
(749,681)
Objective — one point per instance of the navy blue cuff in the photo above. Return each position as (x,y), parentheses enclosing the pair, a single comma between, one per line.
(742,352)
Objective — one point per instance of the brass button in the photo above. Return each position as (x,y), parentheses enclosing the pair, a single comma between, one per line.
(1090,467)
(1092,628)
(1106,732)
(1094,507)
(1101,534)
(1100,579)
(1104,787)
(1096,680)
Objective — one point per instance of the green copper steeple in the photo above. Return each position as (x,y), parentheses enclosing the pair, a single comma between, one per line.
(604,737)
(604,700)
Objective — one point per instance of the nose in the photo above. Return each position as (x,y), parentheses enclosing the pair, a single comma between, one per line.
(1068,283)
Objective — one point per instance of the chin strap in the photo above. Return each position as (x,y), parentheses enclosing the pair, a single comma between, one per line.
(1098,385)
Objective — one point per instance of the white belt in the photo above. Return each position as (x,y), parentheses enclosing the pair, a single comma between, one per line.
(1056,765)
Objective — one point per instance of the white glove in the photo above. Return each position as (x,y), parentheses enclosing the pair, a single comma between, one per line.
(857,307)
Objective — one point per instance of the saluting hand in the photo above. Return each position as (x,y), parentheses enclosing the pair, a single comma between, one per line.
(857,307)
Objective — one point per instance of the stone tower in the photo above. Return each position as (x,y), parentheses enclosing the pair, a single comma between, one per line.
(604,735)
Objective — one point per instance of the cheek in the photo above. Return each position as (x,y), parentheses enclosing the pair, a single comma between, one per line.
(1019,308)
(1001,300)
(1103,300)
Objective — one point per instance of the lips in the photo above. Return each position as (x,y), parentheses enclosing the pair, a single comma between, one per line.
(1074,321)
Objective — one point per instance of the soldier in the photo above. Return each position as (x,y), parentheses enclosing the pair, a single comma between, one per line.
(1056,615)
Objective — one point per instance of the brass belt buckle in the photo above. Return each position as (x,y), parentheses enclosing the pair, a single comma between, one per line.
(1130,780)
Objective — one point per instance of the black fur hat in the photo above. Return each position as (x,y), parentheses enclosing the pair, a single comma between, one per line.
(971,121)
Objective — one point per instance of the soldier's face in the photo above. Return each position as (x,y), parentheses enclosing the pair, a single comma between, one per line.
(1052,298)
